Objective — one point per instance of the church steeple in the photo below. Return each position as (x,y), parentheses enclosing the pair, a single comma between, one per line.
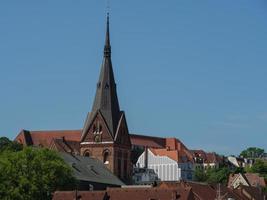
(106,100)
(107,48)
(105,135)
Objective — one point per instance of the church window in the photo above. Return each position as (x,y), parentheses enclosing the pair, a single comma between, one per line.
(86,154)
(106,157)
(94,128)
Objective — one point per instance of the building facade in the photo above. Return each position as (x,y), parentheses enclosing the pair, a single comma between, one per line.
(174,162)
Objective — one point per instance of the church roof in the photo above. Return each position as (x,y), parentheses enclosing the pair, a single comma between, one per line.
(90,169)
(106,100)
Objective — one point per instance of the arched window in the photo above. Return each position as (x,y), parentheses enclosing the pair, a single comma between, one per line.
(106,157)
(86,154)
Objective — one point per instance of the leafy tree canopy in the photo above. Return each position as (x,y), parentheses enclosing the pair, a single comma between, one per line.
(259,167)
(8,145)
(212,175)
(33,173)
(252,152)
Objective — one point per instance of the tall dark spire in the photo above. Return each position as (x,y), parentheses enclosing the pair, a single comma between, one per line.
(106,100)
(107,48)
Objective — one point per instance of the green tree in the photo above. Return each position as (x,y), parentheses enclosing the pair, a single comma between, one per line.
(200,175)
(219,175)
(33,173)
(8,145)
(259,167)
(252,152)
(212,175)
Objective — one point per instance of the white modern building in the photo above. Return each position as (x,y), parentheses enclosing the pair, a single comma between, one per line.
(169,165)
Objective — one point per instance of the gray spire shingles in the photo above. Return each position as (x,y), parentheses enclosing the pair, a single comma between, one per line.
(106,100)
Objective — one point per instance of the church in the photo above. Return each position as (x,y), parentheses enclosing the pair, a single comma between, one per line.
(105,135)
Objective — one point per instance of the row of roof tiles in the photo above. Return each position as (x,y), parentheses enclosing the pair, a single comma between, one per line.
(167,191)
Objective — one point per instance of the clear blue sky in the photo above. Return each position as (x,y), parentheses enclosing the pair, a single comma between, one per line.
(195,70)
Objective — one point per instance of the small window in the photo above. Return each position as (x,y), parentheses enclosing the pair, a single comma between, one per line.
(106,158)
(94,128)
(86,154)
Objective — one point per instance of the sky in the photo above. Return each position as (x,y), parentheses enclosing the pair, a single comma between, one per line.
(190,69)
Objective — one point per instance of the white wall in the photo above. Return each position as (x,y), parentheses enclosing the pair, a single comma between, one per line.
(166,168)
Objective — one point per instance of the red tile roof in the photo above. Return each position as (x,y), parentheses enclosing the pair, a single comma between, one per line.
(207,157)
(121,194)
(200,191)
(252,179)
(44,138)
(175,150)
(147,141)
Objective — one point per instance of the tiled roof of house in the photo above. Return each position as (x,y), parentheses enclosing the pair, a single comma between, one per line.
(248,193)
(252,179)
(167,190)
(207,157)
(122,194)
(73,195)
(200,191)
(175,150)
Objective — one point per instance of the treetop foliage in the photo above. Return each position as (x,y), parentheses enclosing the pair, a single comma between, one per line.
(252,152)
(32,173)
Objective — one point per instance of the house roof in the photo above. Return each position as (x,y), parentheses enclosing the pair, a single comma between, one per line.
(175,150)
(253,179)
(200,191)
(247,192)
(90,169)
(207,157)
(121,194)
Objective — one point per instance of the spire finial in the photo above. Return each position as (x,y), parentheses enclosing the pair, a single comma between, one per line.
(107,48)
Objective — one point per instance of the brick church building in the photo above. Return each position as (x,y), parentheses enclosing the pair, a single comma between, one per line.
(105,135)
